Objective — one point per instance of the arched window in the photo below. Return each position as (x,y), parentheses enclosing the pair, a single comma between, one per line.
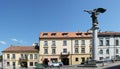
(117,51)
(107,51)
(101,51)
(117,42)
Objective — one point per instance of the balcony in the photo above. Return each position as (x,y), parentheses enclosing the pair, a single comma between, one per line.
(65,53)
(23,59)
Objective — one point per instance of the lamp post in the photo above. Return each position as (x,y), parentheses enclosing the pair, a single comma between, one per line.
(95,28)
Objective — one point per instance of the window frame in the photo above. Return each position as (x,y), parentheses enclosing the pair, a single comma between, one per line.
(45,43)
(117,42)
(64,42)
(35,56)
(76,59)
(76,42)
(107,42)
(53,51)
(13,56)
(65,50)
(76,50)
(31,56)
(53,43)
(83,42)
(101,42)
(46,51)
(82,50)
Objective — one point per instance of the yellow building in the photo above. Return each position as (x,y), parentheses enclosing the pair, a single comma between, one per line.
(20,56)
(71,48)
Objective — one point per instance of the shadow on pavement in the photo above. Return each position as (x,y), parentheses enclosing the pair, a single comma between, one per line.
(114,67)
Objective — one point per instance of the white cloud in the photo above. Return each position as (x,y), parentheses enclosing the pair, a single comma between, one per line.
(15,40)
(18,41)
(3,42)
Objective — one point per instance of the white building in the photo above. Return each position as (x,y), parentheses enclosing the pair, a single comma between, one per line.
(109,45)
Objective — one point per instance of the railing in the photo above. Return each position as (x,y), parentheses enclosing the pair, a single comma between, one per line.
(23,59)
(65,53)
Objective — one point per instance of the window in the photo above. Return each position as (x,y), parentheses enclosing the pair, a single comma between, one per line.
(64,50)
(101,58)
(82,50)
(31,63)
(101,42)
(76,50)
(82,42)
(65,34)
(54,60)
(13,63)
(76,42)
(23,56)
(8,56)
(8,63)
(107,51)
(35,56)
(36,63)
(53,34)
(91,42)
(107,42)
(64,43)
(45,43)
(53,51)
(31,56)
(117,51)
(107,58)
(76,59)
(13,56)
(45,51)
(90,50)
(83,59)
(45,34)
(53,43)
(117,42)
(78,34)
(101,51)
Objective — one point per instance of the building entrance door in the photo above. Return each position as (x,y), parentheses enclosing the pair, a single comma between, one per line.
(65,61)
(24,64)
(45,62)
(83,59)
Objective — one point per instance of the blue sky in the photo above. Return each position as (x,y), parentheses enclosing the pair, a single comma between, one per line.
(21,21)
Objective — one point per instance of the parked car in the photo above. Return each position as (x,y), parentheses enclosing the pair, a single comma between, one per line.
(55,64)
(61,64)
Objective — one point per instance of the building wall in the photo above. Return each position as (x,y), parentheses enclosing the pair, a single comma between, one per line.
(70,49)
(112,47)
(16,60)
(79,56)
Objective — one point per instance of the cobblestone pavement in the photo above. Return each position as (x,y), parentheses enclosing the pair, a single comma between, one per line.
(109,65)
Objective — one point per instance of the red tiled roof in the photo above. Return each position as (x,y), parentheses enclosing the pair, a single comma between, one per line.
(109,33)
(21,49)
(72,34)
(64,34)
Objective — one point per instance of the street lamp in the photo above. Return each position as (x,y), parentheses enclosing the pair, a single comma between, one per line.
(95,28)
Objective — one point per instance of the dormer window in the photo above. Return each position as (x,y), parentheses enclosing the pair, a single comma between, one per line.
(78,34)
(53,34)
(88,34)
(45,34)
(65,34)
